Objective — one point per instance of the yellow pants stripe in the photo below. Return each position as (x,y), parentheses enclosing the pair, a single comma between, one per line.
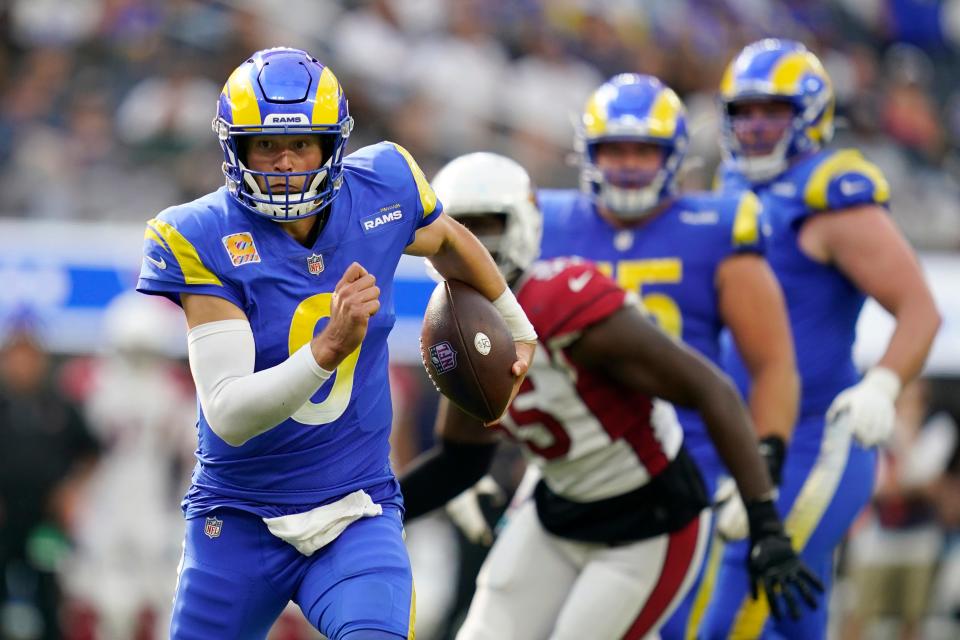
(705,591)
(812,502)
(411,631)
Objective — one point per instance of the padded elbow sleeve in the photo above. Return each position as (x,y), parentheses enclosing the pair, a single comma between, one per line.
(443,473)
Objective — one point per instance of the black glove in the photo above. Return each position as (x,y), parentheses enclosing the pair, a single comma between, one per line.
(774,450)
(774,564)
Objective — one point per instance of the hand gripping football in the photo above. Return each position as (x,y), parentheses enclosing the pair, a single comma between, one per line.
(467,350)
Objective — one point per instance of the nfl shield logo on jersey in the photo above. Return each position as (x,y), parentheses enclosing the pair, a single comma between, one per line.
(443,357)
(315,264)
(212,527)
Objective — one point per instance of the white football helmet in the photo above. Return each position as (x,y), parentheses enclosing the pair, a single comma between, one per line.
(486,183)
(137,324)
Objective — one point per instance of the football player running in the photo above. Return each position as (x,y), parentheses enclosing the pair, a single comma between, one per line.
(696,260)
(285,276)
(616,528)
(832,244)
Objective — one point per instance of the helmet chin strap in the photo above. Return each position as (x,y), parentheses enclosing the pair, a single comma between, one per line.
(287,207)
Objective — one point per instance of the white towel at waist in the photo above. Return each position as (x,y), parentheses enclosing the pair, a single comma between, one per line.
(314,529)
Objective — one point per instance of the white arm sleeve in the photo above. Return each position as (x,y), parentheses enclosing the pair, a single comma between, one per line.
(238,403)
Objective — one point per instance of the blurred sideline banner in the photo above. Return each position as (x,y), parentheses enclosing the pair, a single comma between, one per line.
(65,274)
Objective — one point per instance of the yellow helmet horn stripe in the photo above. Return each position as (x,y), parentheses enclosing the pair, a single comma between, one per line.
(595,115)
(727,83)
(662,119)
(326,107)
(243,100)
(786,74)
(663,115)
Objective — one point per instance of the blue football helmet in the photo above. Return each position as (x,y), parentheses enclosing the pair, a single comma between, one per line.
(283,91)
(634,108)
(777,70)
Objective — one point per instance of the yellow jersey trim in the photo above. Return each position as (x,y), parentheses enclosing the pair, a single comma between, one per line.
(815,195)
(150,234)
(194,271)
(746,222)
(428,199)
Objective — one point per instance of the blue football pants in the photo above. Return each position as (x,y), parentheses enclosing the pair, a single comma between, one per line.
(235,584)
(705,455)
(827,481)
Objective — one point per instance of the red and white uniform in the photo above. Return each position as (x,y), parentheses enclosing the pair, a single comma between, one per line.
(596,445)
(590,439)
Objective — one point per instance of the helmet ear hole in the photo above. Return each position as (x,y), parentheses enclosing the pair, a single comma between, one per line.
(243,149)
(328,145)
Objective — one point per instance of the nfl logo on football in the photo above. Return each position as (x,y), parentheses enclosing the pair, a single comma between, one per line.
(443,357)
(212,527)
(315,264)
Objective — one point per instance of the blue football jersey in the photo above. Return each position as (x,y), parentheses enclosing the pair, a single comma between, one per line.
(671,261)
(338,441)
(822,303)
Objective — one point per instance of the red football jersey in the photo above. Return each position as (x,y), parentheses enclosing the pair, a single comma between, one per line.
(592,438)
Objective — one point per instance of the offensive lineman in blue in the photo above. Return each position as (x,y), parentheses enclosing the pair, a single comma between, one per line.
(695,259)
(831,245)
(285,276)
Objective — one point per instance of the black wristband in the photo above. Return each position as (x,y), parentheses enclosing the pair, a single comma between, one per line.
(763,518)
(774,450)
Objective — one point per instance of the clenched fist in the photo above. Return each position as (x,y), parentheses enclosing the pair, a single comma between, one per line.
(355,299)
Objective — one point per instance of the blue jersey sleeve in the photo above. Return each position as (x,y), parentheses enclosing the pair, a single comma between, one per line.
(176,260)
(845,179)
(429,208)
(561,209)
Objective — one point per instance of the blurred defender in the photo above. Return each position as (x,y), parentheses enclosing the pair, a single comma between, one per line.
(140,406)
(293,497)
(616,529)
(695,259)
(832,244)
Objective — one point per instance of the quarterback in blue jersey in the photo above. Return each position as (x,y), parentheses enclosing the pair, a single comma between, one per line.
(285,276)
(695,259)
(832,243)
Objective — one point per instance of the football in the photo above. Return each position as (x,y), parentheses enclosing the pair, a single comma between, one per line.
(467,350)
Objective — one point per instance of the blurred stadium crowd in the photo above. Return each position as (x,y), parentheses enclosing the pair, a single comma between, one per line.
(105,110)
(107,100)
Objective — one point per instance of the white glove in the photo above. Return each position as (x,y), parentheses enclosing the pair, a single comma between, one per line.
(465,511)
(732,523)
(867,407)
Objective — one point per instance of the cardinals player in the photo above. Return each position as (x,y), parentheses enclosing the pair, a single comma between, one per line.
(612,536)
